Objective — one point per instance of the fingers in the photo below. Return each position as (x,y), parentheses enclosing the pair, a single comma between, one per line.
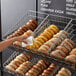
(25,35)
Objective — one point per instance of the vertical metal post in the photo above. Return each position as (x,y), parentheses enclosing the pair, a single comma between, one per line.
(0,40)
(0,21)
(36,5)
(36,9)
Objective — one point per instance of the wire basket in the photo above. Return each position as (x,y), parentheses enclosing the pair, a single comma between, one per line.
(35,57)
(23,20)
(44,21)
(60,21)
(72,30)
(13,56)
(33,60)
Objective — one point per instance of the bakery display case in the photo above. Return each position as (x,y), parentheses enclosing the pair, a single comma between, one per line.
(57,39)
(53,49)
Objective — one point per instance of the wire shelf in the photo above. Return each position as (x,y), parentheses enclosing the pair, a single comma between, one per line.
(44,20)
(13,56)
(38,55)
(23,20)
(34,59)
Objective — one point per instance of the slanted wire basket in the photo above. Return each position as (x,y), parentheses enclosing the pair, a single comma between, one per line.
(23,20)
(33,60)
(44,21)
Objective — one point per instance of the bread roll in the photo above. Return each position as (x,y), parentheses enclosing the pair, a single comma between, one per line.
(24,68)
(58,54)
(9,68)
(67,71)
(30,25)
(71,58)
(37,69)
(34,22)
(67,44)
(73,52)
(64,72)
(62,48)
(53,44)
(45,36)
(48,71)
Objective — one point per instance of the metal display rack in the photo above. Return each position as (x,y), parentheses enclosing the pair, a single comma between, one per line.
(44,20)
(33,60)
(25,18)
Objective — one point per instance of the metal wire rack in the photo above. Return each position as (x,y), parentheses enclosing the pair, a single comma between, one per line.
(32,60)
(13,56)
(44,21)
(72,30)
(60,21)
(23,20)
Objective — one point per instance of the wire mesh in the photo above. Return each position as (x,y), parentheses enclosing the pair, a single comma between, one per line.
(44,21)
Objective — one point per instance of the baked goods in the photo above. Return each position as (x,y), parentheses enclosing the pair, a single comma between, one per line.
(14,64)
(64,72)
(10,68)
(58,54)
(37,69)
(34,22)
(23,68)
(30,25)
(63,34)
(27,34)
(71,58)
(17,43)
(45,36)
(73,52)
(45,47)
(48,71)
(63,50)
(68,44)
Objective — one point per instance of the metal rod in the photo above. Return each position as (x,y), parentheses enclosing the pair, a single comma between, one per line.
(67,26)
(0,40)
(41,23)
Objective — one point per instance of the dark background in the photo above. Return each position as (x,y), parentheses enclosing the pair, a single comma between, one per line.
(57,4)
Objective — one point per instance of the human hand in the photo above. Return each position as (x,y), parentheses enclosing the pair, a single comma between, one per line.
(24,36)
